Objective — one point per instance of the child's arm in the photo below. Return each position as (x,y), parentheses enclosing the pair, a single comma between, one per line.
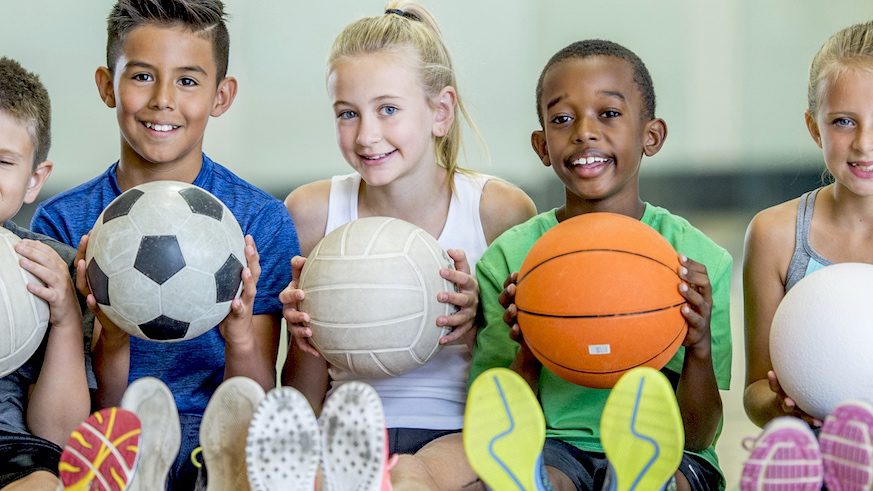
(768,249)
(524,363)
(250,341)
(59,399)
(111,350)
(697,394)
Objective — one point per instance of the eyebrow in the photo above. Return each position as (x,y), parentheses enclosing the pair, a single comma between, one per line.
(608,93)
(375,99)
(192,68)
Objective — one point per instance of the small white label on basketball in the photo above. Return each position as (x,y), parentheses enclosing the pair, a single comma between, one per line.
(599,349)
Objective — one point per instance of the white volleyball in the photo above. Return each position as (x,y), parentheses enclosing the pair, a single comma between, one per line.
(821,339)
(371,293)
(23,316)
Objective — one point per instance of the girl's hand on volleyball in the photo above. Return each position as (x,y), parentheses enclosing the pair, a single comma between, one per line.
(465,297)
(297,321)
(697,290)
(237,326)
(787,404)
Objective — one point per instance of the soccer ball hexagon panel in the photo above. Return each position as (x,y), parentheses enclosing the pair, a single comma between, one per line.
(164,261)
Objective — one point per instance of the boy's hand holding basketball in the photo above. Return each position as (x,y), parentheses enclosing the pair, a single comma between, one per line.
(697,290)
(466,298)
(297,321)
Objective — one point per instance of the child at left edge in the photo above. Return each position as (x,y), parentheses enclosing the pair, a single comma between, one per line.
(165,76)
(596,108)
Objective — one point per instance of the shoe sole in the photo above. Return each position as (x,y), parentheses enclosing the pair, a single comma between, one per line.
(504,431)
(641,430)
(847,447)
(224,430)
(786,458)
(353,438)
(283,448)
(153,403)
(101,453)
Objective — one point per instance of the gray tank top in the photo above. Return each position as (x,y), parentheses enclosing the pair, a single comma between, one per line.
(805,259)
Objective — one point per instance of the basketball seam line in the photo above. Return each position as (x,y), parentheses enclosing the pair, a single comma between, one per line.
(594,250)
(600,316)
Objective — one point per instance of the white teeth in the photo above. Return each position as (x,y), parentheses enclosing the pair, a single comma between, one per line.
(865,168)
(160,127)
(590,160)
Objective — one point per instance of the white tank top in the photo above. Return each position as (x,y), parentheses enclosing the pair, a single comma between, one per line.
(433,395)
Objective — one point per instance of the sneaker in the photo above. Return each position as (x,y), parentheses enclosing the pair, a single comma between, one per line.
(847,447)
(283,447)
(153,403)
(101,453)
(641,431)
(223,433)
(504,432)
(785,457)
(354,440)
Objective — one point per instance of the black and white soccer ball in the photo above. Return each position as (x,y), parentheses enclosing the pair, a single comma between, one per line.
(165,261)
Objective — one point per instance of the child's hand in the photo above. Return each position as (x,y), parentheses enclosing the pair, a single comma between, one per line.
(237,326)
(297,321)
(698,293)
(510,315)
(44,263)
(787,404)
(107,329)
(466,298)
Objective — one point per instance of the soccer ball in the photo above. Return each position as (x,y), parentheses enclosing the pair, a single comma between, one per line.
(23,316)
(164,261)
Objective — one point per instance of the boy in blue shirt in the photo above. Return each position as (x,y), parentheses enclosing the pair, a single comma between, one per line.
(32,422)
(165,76)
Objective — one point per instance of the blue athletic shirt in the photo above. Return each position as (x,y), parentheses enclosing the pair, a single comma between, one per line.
(192,369)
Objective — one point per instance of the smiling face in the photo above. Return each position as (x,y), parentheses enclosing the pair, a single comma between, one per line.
(843,127)
(385,124)
(164,89)
(594,133)
(20,182)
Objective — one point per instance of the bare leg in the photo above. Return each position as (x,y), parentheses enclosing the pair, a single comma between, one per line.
(440,465)
(37,481)
(681,483)
(559,480)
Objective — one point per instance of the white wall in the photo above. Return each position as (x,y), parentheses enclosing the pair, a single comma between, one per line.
(730,77)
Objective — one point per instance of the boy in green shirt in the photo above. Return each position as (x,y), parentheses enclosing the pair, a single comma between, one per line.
(596,105)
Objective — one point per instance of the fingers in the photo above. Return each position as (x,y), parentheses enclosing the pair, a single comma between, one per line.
(297,263)
(695,274)
(464,281)
(510,315)
(249,290)
(253,258)
(82,285)
(507,296)
(460,259)
(304,346)
(456,334)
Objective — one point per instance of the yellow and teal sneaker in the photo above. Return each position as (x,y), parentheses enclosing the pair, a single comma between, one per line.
(504,432)
(641,431)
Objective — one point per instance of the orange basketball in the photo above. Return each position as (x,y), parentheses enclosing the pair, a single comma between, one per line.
(598,295)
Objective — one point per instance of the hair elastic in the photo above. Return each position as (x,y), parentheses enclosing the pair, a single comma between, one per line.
(401,13)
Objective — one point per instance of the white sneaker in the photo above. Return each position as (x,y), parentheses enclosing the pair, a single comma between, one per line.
(354,440)
(283,448)
(153,403)
(223,433)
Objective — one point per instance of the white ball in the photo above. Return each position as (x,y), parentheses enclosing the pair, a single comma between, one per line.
(23,316)
(164,261)
(370,291)
(821,339)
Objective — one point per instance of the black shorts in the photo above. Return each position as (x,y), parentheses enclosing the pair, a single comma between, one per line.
(588,470)
(411,440)
(22,455)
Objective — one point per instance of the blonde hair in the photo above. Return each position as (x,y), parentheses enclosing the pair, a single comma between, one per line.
(851,47)
(409,26)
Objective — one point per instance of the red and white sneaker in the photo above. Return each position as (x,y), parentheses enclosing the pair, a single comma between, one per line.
(785,457)
(354,440)
(102,452)
(847,447)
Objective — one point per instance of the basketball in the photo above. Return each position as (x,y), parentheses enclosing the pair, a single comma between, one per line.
(597,295)
(164,261)
(821,341)
(23,316)
(370,291)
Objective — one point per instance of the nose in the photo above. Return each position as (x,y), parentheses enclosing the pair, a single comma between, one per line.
(162,95)
(586,129)
(863,142)
(368,131)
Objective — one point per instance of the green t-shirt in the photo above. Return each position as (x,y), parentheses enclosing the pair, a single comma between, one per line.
(572,412)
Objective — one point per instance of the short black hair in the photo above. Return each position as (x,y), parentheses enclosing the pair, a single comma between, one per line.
(204,17)
(600,47)
(25,98)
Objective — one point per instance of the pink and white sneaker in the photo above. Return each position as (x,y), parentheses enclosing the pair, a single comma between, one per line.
(847,447)
(786,457)
(354,440)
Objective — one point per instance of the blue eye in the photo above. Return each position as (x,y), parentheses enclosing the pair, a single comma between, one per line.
(845,122)
(388,110)
(346,115)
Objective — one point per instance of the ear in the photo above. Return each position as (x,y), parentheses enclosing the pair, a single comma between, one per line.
(812,126)
(39,176)
(224,96)
(655,134)
(103,78)
(538,142)
(443,106)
